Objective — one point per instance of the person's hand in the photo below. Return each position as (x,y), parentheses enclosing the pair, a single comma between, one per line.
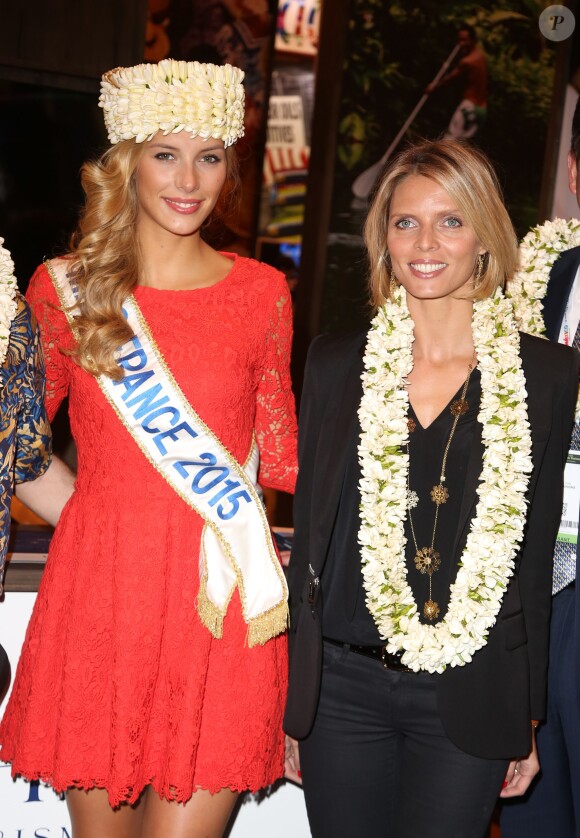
(48,494)
(292,761)
(521,772)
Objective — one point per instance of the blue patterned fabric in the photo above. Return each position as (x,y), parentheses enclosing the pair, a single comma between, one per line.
(564,566)
(25,437)
(565,553)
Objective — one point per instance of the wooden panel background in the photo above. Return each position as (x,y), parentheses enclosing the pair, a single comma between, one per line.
(67,43)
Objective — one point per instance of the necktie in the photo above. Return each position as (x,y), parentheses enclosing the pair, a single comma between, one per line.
(565,554)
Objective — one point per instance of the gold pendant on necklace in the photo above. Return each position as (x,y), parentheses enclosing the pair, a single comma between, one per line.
(431,610)
(439,494)
(427,560)
(459,407)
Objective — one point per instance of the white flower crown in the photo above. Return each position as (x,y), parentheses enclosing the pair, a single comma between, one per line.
(205,100)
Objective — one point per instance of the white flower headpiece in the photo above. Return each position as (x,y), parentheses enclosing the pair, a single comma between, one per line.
(8,304)
(205,100)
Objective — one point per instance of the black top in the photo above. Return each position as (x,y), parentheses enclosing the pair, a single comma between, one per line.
(344,614)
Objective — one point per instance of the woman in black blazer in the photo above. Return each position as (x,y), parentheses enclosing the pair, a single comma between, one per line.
(428,501)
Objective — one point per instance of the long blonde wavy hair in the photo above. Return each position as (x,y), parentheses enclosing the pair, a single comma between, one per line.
(104,252)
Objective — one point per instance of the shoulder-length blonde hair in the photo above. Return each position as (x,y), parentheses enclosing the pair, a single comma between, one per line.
(467,175)
(105,256)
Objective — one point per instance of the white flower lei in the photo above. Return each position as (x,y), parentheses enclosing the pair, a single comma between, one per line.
(8,304)
(497,529)
(538,252)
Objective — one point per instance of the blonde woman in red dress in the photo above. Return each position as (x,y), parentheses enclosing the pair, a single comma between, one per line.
(154,669)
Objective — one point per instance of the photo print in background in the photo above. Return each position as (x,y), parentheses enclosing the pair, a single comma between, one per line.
(289,129)
(393,55)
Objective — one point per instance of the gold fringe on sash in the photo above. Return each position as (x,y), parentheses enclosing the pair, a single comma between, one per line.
(260,629)
(268,625)
(210,615)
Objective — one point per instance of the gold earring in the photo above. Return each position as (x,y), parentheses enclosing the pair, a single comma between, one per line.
(478,270)
(393,283)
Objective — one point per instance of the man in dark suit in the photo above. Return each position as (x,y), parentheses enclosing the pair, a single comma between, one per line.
(552,806)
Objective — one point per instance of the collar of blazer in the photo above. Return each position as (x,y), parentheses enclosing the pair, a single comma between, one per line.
(335,366)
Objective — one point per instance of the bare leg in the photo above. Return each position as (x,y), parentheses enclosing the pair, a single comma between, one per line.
(204,815)
(92,816)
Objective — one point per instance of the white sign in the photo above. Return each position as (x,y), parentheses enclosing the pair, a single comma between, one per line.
(568,532)
(286,123)
(26,810)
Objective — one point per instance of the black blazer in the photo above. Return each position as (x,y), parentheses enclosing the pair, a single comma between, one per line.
(485,706)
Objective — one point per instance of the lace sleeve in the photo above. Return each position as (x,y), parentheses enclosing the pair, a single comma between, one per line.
(275,409)
(54,333)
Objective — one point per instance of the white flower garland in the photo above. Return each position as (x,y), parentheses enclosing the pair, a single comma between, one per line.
(205,100)
(8,304)
(538,252)
(497,528)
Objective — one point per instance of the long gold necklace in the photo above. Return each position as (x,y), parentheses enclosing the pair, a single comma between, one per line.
(427,559)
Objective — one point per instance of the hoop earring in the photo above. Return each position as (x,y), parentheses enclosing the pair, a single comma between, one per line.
(478,270)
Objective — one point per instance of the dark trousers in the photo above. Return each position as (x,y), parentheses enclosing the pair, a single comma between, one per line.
(378,762)
(552,805)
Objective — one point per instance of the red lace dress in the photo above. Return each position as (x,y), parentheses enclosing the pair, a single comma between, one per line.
(119,684)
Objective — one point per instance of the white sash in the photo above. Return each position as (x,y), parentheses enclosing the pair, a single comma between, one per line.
(236,544)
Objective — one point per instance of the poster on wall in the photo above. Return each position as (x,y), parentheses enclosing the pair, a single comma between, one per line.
(298,26)
(481,73)
(285,170)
